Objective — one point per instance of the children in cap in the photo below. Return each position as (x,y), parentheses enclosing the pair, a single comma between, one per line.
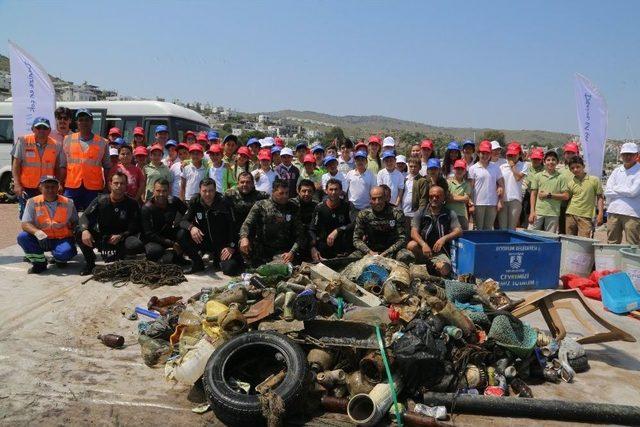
(585,192)
(460,193)
(218,167)
(193,173)
(452,154)
(391,177)
(331,164)
(155,170)
(309,172)
(488,188)
(548,189)
(176,168)
(286,171)
(401,164)
(496,154)
(360,181)
(264,175)
(413,173)
(373,159)
(135,177)
(514,171)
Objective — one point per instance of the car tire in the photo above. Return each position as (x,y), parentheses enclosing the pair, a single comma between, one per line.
(6,186)
(266,353)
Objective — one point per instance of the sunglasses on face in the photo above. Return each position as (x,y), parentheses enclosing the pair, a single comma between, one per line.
(63,118)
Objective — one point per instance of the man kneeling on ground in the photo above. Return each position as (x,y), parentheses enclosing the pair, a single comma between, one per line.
(432,229)
(47,223)
(208,227)
(111,224)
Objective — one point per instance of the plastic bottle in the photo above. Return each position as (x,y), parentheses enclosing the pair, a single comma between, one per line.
(370,315)
(191,366)
(191,324)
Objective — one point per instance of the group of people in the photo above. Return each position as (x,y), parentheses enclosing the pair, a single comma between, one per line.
(250,204)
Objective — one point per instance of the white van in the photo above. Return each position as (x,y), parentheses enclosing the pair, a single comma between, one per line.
(125,115)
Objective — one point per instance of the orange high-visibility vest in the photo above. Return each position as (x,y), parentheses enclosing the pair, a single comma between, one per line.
(32,165)
(84,167)
(57,227)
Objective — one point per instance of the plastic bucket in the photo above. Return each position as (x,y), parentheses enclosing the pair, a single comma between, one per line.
(540,233)
(577,255)
(608,257)
(631,265)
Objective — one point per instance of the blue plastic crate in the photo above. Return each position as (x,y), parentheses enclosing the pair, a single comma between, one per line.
(618,293)
(518,261)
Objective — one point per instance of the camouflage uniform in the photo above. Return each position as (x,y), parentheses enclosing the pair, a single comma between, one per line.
(241,204)
(381,232)
(272,229)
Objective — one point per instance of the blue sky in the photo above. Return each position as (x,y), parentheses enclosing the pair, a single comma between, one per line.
(502,64)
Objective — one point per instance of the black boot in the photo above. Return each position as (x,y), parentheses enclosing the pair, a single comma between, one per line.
(37,268)
(88,269)
(195,267)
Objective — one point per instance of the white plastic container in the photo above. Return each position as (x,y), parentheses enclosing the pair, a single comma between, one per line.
(191,366)
(577,255)
(631,265)
(608,257)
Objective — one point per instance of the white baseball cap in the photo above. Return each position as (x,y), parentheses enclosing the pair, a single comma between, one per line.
(113,151)
(286,151)
(495,145)
(388,142)
(401,159)
(629,147)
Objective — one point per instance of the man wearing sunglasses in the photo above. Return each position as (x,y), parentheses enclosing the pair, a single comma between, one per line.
(63,123)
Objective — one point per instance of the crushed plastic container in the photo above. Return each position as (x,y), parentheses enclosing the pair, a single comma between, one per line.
(618,293)
(517,260)
(631,265)
(608,257)
(577,256)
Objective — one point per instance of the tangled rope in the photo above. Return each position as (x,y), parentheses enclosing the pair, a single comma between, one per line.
(146,273)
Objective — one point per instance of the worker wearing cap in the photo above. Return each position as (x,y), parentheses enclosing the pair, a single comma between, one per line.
(433,176)
(63,122)
(373,156)
(459,200)
(623,198)
(301,150)
(229,147)
(548,189)
(155,170)
(569,152)
(391,177)
(432,229)
(138,137)
(111,223)
(193,173)
(287,171)
(359,182)
(87,162)
(380,229)
(488,188)
(172,153)
(35,155)
(426,151)
(135,176)
(585,192)
(114,133)
(47,224)
(513,173)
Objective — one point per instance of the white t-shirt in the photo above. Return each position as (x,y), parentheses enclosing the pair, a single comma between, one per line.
(393,179)
(359,186)
(501,161)
(339,176)
(407,196)
(345,166)
(512,188)
(216,174)
(485,184)
(176,173)
(193,176)
(264,180)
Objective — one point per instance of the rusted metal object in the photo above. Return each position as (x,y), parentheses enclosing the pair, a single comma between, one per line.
(271,382)
(260,310)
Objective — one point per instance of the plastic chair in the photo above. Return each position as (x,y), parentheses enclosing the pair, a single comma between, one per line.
(618,293)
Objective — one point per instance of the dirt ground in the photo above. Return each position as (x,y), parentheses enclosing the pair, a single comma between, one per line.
(9,224)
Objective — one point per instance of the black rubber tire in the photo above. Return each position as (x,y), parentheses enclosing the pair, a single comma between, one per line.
(6,186)
(233,408)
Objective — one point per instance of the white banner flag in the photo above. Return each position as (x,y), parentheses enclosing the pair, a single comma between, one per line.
(592,120)
(31,89)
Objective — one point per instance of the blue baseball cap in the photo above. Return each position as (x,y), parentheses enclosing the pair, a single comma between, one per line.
(162,128)
(252,141)
(360,154)
(171,143)
(48,178)
(317,148)
(275,149)
(119,141)
(212,134)
(388,154)
(468,142)
(300,145)
(41,121)
(329,159)
(433,163)
(83,112)
(453,145)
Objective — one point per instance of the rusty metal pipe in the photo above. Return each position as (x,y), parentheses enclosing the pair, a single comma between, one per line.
(334,404)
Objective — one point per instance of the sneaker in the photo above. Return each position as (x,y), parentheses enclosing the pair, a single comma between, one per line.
(37,268)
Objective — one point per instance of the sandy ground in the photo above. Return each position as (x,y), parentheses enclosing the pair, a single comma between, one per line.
(9,224)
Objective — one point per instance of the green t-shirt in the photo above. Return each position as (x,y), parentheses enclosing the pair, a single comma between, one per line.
(154,173)
(550,183)
(584,195)
(459,189)
(531,172)
(372,165)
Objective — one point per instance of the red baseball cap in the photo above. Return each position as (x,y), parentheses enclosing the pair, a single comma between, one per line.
(244,151)
(183,145)
(202,136)
(427,143)
(215,148)
(138,131)
(536,153)
(374,140)
(460,164)
(308,158)
(485,147)
(189,132)
(156,147)
(571,147)
(360,145)
(140,151)
(115,131)
(264,155)
(513,149)
(279,142)
(196,147)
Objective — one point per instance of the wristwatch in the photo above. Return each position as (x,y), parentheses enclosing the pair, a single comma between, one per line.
(549,195)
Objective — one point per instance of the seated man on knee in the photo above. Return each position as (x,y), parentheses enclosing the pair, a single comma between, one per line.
(47,223)
(432,229)
(160,216)
(111,224)
(208,226)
